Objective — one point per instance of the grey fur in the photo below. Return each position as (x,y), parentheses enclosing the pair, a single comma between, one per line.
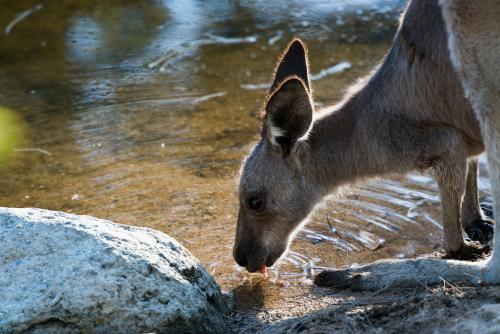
(474,42)
(410,114)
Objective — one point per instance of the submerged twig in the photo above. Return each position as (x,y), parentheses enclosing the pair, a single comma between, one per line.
(170,55)
(37,150)
(21,17)
(275,38)
(204,98)
(165,56)
(338,68)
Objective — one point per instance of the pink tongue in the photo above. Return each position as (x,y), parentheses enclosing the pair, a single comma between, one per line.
(263,269)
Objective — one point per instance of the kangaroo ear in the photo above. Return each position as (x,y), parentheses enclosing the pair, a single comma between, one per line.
(294,62)
(288,114)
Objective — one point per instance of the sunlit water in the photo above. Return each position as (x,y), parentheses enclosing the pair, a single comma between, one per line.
(140,112)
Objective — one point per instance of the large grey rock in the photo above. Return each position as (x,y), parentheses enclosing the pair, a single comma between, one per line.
(64,273)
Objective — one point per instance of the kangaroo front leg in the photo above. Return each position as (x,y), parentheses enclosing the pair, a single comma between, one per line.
(476,225)
(450,171)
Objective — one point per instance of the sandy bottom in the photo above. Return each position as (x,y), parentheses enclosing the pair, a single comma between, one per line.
(446,308)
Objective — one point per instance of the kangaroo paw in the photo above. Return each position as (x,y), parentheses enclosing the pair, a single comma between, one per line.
(481,230)
(338,279)
(469,251)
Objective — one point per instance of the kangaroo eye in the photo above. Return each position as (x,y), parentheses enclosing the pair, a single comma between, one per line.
(256,203)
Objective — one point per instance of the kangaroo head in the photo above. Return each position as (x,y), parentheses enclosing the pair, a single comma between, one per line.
(274,192)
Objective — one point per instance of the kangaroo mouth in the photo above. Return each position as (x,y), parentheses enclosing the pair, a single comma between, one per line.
(254,266)
(261,265)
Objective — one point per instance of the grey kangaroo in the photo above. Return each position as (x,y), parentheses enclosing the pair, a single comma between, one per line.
(474,43)
(410,114)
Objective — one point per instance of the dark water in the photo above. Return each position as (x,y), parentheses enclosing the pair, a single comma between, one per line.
(140,112)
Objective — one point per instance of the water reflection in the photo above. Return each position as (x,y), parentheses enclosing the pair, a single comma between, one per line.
(116,133)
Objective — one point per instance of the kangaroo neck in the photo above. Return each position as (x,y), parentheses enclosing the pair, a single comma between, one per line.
(342,147)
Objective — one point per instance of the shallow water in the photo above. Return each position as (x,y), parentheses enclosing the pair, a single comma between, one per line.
(140,112)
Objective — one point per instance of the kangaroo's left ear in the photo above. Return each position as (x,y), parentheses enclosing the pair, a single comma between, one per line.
(293,62)
(288,114)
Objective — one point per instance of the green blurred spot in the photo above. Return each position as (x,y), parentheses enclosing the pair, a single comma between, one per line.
(11,133)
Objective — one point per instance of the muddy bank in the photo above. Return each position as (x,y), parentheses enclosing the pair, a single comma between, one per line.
(441,309)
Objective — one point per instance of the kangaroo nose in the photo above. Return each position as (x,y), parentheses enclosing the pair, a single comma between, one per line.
(240,258)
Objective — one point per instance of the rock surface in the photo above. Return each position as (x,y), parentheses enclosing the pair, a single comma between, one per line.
(62,273)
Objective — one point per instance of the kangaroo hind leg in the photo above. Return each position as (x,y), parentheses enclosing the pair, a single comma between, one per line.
(475,224)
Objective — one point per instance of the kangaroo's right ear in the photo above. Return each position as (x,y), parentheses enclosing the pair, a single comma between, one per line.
(288,114)
(294,62)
